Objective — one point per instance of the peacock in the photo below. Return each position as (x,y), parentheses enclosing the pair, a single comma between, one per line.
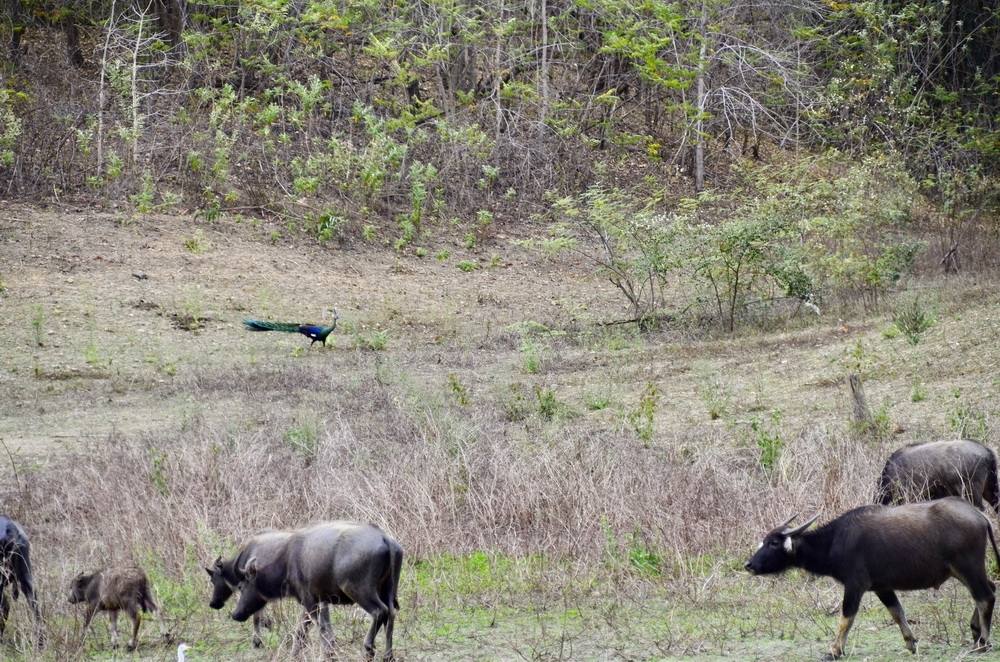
(312,331)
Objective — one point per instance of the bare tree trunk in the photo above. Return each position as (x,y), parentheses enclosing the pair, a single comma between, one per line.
(699,145)
(136,121)
(544,83)
(102,92)
(862,415)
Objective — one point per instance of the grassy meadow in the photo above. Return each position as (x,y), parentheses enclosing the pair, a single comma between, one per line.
(564,487)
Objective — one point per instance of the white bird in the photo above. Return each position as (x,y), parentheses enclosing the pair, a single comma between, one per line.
(180,652)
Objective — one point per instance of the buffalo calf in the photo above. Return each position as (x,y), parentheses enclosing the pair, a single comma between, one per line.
(15,569)
(113,590)
(888,549)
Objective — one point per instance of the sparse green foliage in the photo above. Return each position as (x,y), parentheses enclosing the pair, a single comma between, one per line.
(458,390)
(515,403)
(714,395)
(197,243)
(38,325)
(375,340)
(468,265)
(642,417)
(303,438)
(766,434)
(597,400)
(548,405)
(966,419)
(912,319)
(531,357)
(918,392)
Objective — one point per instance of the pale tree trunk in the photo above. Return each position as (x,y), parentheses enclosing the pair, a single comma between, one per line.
(102,92)
(498,77)
(136,121)
(699,145)
(544,83)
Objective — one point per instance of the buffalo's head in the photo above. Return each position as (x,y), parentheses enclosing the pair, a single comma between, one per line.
(251,599)
(225,581)
(776,553)
(78,588)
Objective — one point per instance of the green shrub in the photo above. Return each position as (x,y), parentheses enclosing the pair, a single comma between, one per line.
(912,319)
(642,417)
(767,437)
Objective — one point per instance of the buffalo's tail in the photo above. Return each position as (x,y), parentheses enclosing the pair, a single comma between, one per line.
(991,491)
(396,561)
(993,541)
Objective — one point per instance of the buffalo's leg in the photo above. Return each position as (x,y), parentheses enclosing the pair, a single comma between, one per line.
(325,628)
(852,601)
(113,618)
(380,616)
(983,592)
(88,616)
(133,613)
(257,640)
(390,621)
(320,613)
(985,600)
(22,570)
(302,632)
(891,603)
(4,607)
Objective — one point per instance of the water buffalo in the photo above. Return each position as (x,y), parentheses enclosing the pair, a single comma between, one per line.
(938,469)
(338,563)
(266,547)
(15,569)
(113,590)
(887,549)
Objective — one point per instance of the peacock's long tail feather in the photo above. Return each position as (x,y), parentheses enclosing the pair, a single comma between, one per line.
(259,325)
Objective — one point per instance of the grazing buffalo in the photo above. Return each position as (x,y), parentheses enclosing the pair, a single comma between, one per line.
(338,563)
(938,469)
(113,590)
(266,547)
(15,569)
(887,549)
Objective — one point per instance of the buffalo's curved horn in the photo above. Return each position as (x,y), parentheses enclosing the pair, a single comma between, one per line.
(802,527)
(785,524)
(218,562)
(250,569)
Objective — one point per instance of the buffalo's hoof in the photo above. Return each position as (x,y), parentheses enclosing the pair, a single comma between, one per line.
(911,646)
(131,647)
(832,656)
(258,642)
(982,647)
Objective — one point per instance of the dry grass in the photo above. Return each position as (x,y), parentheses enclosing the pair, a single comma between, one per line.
(442,478)
(530,532)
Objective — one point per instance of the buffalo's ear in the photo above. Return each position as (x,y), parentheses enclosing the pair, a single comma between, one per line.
(210,572)
(250,569)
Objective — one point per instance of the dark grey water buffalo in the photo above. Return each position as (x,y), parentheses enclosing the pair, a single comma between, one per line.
(15,569)
(938,469)
(887,549)
(332,563)
(266,547)
(113,590)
